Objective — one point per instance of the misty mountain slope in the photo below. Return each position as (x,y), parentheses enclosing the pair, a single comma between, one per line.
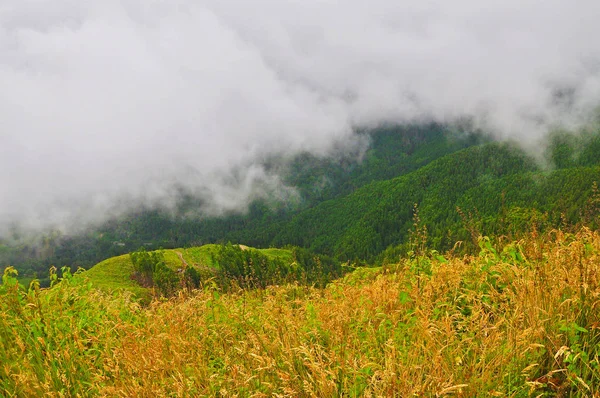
(426,169)
(497,188)
(364,223)
(392,151)
(201,92)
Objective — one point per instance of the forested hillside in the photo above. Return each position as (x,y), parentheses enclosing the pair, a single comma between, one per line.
(492,188)
(392,151)
(362,208)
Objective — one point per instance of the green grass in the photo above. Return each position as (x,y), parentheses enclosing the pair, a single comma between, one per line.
(115,274)
(279,254)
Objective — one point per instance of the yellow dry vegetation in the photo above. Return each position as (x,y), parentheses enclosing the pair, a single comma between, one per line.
(518,320)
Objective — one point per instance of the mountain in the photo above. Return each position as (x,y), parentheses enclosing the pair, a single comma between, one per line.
(361,206)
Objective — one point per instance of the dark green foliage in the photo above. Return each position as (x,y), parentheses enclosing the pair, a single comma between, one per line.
(192,277)
(150,270)
(365,223)
(393,151)
(567,150)
(250,268)
(315,269)
(562,150)
(165,279)
(147,263)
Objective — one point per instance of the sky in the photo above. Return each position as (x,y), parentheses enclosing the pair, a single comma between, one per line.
(106,106)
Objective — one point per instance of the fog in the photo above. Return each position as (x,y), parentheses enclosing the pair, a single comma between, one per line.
(106,106)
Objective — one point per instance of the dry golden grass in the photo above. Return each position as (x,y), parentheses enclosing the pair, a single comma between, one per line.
(523,321)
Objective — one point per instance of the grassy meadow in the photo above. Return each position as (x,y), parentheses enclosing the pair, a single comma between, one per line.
(519,319)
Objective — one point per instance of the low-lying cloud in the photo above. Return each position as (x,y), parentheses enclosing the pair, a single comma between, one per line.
(105,106)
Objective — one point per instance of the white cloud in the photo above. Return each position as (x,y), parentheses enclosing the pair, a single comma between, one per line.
(111,102)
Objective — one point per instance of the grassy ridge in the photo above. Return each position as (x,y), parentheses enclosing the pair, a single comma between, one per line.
(517,319)
(115,273)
